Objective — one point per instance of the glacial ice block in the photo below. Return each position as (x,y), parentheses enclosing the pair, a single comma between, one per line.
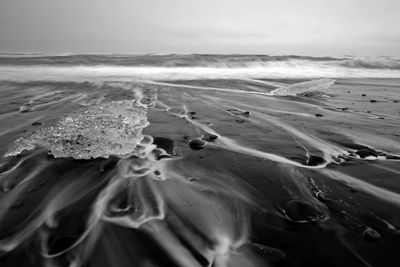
(304,88)
(101,130)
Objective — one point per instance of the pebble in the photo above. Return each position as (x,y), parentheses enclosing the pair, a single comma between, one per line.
(363,95)
(315,160)
(210,137)
(372,101)
(301,211)
(318,115)
(197,143)
(165,143)
(366,152)
(37,123)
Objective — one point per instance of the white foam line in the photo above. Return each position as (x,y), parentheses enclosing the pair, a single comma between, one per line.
(208,88)
(317,143)
(232,145)
(388,169)
(376,191)
(269,83)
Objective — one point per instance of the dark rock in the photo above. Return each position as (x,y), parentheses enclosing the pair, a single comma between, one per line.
(365,152)
(210,137)
(372,101)
(37,123)
(318,115)
(315,160)
(197,143)
(371,234)
(246,113)
(165,143)
(192,112)
(301,211)
(363,95)
(343,109)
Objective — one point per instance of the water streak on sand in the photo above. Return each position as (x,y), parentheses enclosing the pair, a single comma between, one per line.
(230,144)
(358,184)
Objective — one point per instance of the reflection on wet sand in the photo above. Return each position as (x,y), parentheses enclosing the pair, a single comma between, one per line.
(220,177)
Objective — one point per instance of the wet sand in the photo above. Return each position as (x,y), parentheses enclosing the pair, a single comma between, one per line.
(240,178)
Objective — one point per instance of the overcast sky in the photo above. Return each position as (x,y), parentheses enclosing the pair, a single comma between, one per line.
(312,27)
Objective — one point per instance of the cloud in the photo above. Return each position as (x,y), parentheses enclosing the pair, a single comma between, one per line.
(254,26)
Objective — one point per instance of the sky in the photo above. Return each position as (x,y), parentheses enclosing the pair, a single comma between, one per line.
(303,27)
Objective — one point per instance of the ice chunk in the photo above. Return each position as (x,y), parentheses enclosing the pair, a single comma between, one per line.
(101,130)
(304,88)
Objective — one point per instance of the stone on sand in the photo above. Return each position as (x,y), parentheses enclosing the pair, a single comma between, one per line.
(301,211)
(197,143)
(366,152)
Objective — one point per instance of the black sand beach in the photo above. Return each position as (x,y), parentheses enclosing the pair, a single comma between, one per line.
(227,173)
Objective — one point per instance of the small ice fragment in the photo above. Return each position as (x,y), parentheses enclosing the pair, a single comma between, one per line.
(101,130)
(304,87)
(371,234)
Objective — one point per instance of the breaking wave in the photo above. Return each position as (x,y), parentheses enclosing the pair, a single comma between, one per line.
(189,67)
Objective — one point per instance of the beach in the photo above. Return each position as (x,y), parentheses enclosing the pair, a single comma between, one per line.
(241,160)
